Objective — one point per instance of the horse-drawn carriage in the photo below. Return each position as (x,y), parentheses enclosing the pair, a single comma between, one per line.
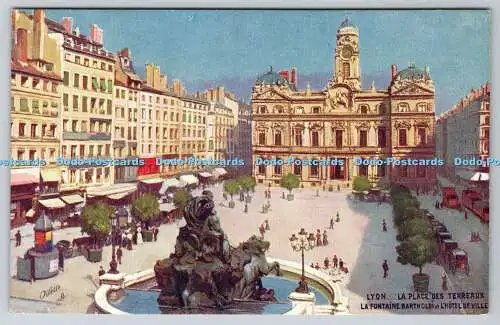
(458,260)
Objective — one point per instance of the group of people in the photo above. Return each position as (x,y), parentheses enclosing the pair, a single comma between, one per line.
(267,194)
(474,236)
(439,205)
(336,263)
(321,240)
(134,236)
(332,221)
(264,227)
(18,238)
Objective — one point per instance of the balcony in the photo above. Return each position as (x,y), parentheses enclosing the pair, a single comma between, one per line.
(118,143)
(84,136)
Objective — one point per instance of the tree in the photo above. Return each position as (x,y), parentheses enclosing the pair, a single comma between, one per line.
(361,184)
(290,181)
(417,251)
(96,220)
(181,198)
(414,227)
(231,187)
(146,207)
(246,183)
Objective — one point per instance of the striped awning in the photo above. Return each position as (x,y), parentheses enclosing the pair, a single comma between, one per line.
(111,189)
(152,181)
(169,182)
(118,196)
(219,171)
(167,207)
(52,203)
(205,174)
(22,179)
(30,213)
(188,179)
(72,199)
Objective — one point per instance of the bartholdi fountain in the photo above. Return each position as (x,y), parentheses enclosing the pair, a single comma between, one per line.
(205,271)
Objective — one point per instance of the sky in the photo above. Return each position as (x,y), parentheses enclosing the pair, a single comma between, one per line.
(206,48)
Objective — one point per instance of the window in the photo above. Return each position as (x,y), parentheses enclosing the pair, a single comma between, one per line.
(314,169)
(364,109)
(421,171)
(103,66)
(76,81)
(33,130)
(262,169)
(422,138)
(32,154)
(262,138)
(21,129)
(262,109)
(77,59)
(74,126)
(35,106)
(315,110)
(85,81)
(277,170)
(110,86)
(277,138)
(402,137)
(403,171)
(297,170)
(339,138)
(363,170)
(110,67)
(95,86)
(109,107)
(382,140)
(315,138)
(20,154)
(346,70)
(84,103)
(65,101)
(381,170)
(297,134)
(86,62)
(363,138)
(66,78)
(75,102)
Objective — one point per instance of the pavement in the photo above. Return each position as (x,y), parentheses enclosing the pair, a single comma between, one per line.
(357,239)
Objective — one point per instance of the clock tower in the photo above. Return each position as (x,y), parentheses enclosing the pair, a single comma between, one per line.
(346,63)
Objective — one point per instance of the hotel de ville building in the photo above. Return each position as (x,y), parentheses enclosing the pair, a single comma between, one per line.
(345,122)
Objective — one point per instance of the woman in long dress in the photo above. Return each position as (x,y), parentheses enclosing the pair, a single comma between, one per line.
(139,236)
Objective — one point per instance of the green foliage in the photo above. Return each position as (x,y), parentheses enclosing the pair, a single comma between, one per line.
(290,181)
(361,183)
(246,182)
(96,220)
(417,251)
(414,227)
(231,187)
(181,198)
(146,207)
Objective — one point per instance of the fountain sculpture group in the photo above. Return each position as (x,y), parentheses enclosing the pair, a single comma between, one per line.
(204,270)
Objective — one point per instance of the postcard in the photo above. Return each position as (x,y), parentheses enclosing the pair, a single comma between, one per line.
(294,162)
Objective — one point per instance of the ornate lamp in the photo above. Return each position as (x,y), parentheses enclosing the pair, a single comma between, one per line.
(113,266)
(301,243)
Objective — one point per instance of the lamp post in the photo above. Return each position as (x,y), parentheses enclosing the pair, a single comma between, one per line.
(113,266)
(301,243)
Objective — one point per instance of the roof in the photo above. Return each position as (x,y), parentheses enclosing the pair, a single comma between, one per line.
(412,72)
(27,68)
(272,78)
(43,223)
(22,179)
(346,23)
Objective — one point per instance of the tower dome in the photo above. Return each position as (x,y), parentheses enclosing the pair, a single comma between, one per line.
(347,27)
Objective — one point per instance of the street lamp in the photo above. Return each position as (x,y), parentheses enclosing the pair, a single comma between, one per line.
(113,266)
(300,243)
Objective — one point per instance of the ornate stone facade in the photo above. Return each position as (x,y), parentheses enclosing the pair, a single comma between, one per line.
(345,122)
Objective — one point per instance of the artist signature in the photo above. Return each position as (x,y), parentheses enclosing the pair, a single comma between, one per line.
(52,291)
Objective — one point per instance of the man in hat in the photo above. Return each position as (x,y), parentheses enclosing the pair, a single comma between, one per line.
(101,273)
(385,267)
(119,254)
(18,238)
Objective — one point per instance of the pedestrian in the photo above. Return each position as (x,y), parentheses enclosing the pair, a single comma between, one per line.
(326,262)
(465,214)
(155,233)
(325,238)
(318,238)
(157,268)
(61,260)
(317,267)
(18,238)
(32,269)
(384,225)
(283,195)
(331,223)
(134,237)
(119,254)
(312,265)
(335,261)
(385,267)
(139,236)
(224,196)
(101,273)
(262,230)
(129,241)
(444,281)
(341,264)
(246,208)
(267,225)
(338,188)
(338,217)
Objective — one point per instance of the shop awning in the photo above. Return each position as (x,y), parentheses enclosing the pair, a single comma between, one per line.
(118,196)
(152,181)
(169,182)
(52,203)
(205,174)
(30,213)
(473,176)
(167,207)
(22,179)
(72,199)
(219,171)
(50,176)
(111,189)
(188,179)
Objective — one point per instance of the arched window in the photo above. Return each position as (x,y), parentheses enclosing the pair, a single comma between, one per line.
(277,138)
(315,138)
(262,138)
(346,70)
(297,135)
(402,137)
(262,109)
(364,109)
(279,109)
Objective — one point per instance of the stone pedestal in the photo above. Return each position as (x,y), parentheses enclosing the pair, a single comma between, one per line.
(116,280)
(303,301)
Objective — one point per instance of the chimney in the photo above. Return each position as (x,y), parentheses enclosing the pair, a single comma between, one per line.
(149,74)
(125,53)
(220,94)
(293,81)
(22,45)
(96,34)
(285,74)
(197,94)
(67,23)
(163,82)
(394,71)
(156,77)
(39,32)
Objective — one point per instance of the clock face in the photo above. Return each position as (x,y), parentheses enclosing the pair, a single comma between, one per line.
(347,52)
